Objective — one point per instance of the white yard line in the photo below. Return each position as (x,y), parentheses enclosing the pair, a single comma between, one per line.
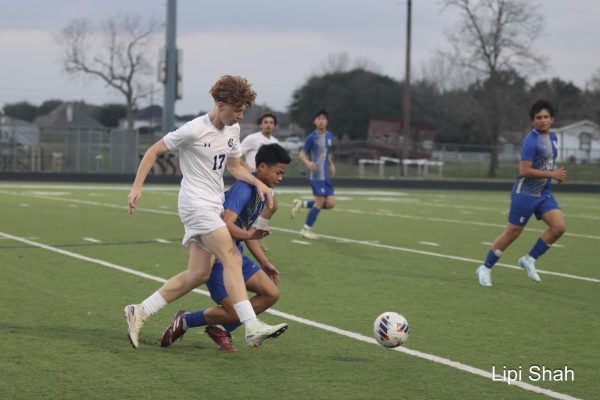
(361,242)
(430,244)
(89,239)
(162,240)
(329,328)
(300,242)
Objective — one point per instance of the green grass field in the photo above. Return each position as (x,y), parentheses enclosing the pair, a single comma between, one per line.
(62,333)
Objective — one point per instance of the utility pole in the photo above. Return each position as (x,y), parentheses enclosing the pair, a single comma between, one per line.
(406,101)
(170,92)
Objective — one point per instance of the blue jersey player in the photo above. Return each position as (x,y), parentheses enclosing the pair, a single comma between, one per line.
(242,207)
(316,155)
(531,195)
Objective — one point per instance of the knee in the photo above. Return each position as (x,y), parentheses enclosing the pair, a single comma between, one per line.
(197,278)
(273,296)
(233,257)
(559,230)
(330,204)
(274,208)
(319,202)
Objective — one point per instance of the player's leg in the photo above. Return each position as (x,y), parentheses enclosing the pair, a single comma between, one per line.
(510,234)
(197,273)
(521,209)
(550,213)
(318,188)
(220,243)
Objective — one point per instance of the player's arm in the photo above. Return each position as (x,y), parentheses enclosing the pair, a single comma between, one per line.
(245,146)
(309,164)
(261,258)
(331,165)
(237,233)
(148,160)
(235,168)
(526,170)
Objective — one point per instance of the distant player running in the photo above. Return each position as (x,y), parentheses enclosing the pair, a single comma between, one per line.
(531,195)
(242,206)
(316,155)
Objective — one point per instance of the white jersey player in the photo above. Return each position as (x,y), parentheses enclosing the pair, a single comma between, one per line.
(207,145)
(250,145)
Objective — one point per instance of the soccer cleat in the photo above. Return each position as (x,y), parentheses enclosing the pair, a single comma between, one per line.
(296,206)
(529,267)
(307,234)
(134,314)
(174,331)
(485,275)
(222,338)
(258,331)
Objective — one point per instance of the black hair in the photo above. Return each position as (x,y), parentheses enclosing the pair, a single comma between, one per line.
(272,154)
(322,111)
(266,115)
(540,105)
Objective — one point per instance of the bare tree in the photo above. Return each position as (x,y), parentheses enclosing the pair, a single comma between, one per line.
(116,52)
(492,37)
(342,62)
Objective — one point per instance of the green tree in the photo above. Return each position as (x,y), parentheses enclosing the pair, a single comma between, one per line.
(352,98)
(21,110)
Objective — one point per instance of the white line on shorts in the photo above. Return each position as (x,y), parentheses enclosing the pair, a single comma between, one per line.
(304,321)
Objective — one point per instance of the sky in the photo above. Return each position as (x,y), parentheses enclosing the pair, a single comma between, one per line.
(276,44)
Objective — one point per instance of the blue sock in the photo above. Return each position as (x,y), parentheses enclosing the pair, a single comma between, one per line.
(308,204)
(231,327)
(538,249)
(492,258)
(312,216)
(195,319)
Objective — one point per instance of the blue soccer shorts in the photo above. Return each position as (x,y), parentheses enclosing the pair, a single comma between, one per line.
(321,187)
(216,283)
(523,206)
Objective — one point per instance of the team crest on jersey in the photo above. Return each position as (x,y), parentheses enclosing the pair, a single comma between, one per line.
(230,142)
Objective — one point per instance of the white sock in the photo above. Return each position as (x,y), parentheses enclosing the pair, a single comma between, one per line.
(245,312)
(498,253)
(153,304)
(262,223)
(306,227)
(305,204)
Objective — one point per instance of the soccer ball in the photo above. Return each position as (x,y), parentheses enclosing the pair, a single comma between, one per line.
(391,329)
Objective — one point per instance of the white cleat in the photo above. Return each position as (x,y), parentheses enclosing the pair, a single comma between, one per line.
(296,206)
(528,264)
(306,234)
(258,331)
(485,275)
(134,314)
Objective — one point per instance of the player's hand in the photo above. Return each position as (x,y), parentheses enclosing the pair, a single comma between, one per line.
(259,233)
(560,174)
(271,272)
(311,166)
(132,199)
(264,190)
(331,170)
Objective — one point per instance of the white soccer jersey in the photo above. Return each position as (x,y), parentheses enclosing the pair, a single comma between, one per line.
(203,152)
(250,146)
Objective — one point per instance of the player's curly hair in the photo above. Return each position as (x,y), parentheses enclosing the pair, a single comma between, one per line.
(233,90)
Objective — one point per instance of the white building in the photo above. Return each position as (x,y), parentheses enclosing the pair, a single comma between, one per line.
(578,141)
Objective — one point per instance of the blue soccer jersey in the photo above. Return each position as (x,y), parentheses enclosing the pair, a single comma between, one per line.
(541,150)
(318,147)
(244,200)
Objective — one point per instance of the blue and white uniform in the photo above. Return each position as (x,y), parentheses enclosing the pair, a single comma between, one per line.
(532,195)
(318,147)
(244,200)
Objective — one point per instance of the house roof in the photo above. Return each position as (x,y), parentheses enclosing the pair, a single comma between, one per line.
(68,116)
